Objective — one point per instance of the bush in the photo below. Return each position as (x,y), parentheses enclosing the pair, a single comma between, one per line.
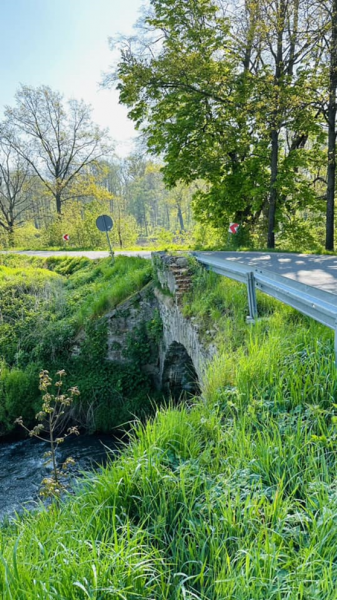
(19,395)
(304,235)
(79,221)
(206,236)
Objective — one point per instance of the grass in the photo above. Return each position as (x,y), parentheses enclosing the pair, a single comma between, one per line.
(155,247)
(48,307)
(129,275)
(102,285)
(187,246)
(231,497)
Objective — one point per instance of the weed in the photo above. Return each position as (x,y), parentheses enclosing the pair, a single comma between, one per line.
(51,418)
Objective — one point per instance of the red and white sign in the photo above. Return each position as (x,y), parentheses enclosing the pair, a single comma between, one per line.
(66,237)
(233,227)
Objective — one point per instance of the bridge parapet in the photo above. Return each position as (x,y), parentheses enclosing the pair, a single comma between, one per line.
(174,279)
(173,273)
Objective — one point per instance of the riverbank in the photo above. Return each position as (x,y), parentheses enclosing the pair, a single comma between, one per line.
(52,318)
(230,497)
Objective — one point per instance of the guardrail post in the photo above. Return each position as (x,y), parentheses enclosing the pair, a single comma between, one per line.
(251,297)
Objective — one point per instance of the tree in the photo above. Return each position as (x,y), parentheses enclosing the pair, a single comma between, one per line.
(179,87)
(330,114)
(16,183)
(58,142)
(179,199)
(286,34)
(221,91)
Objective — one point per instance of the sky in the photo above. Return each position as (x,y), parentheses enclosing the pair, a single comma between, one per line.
(64,44)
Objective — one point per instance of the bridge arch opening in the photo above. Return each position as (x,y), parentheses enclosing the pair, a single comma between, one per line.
(179,377)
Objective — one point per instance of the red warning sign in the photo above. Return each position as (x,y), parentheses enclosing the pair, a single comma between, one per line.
(233,227)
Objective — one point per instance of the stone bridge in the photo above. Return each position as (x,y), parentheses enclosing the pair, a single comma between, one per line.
(183,356)
(178,360)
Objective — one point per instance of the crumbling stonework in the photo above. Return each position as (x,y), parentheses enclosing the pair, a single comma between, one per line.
(175,280)
(173,273)
(124,322)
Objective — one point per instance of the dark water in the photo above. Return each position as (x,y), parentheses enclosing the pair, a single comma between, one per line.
(22,467)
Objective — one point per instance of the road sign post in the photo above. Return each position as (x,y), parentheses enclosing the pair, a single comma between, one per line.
(105,223)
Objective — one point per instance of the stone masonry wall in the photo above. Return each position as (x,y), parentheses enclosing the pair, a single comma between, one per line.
(174,276)
(124,321)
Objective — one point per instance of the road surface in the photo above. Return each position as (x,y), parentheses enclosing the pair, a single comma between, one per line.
(316,270)
(85,253)
(312,269)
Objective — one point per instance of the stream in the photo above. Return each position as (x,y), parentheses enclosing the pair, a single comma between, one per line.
(22,467)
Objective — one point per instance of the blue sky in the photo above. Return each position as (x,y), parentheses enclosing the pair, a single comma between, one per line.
(64,44)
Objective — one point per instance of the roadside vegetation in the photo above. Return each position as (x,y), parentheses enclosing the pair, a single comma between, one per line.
(51,318)
(232,496)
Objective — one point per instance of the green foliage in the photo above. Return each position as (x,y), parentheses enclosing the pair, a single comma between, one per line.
(137,200)
(306,235)
(126,282)
(18,395)
(207,235)
(79,222)
(232,497)
(143,342)
(47,306)
(155,328)
(227,110)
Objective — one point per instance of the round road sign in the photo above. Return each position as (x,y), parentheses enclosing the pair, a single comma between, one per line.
(104,223)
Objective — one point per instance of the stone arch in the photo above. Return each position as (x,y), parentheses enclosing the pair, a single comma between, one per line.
(179,376)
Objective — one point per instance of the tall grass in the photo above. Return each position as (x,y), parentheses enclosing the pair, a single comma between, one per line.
(113,284)
(233,497)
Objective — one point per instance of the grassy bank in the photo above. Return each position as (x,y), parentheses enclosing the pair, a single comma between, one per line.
(232,497)
(51,307)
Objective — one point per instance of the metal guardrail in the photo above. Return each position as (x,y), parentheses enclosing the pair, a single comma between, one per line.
(310,301)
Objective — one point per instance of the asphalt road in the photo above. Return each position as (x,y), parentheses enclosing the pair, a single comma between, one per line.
(87,254)
(315,270)
(312,269)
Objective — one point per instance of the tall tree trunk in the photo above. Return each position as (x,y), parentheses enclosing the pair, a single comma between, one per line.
(11,235)
(293,38)
(275,126)
(331,170)
(58,202)
(145,223)
(181,220)
(168,216)
(252,11)
(120,239)
(273,190)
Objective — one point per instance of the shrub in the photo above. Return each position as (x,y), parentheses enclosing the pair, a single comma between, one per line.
(18,395)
